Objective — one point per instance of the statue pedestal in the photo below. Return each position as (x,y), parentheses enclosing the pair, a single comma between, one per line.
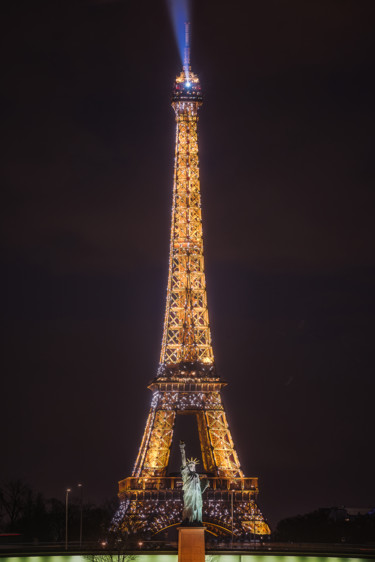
(191,547)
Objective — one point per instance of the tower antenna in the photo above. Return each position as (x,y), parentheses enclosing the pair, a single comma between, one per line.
(187,67)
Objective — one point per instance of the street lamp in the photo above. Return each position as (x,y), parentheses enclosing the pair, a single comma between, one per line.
(66,516)
(231,512)
(80,521)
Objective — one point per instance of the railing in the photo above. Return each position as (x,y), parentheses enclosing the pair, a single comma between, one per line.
(213,547)
(318,549)
(175,483)
(74,547)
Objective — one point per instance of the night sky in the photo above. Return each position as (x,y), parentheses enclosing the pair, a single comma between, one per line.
(287,179)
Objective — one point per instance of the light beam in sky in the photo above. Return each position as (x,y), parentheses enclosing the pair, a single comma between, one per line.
(179,11)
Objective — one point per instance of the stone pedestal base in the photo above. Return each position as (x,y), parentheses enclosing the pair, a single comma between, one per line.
(191,547)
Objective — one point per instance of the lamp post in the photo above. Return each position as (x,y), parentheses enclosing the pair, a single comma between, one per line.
(231,509)
(66,516)
(81,513)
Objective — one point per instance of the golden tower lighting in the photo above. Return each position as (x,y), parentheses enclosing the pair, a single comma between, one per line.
(187,382)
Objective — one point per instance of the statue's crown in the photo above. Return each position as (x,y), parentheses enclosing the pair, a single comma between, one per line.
(192,460)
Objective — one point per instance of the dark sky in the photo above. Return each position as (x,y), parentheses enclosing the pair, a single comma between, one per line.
(287,177)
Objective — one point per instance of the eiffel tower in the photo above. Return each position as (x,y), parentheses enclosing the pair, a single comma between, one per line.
(187,381)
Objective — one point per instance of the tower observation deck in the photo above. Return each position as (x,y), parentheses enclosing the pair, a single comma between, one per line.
(186,381)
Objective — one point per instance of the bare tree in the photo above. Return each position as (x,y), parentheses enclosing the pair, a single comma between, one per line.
(110,557)
(115,549)
(14,496)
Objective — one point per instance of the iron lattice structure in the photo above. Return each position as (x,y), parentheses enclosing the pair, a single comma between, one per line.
(187,383)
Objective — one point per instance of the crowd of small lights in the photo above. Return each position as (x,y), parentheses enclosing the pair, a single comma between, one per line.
(148,516)
(188,370)
(186,400)
(153,515)
(119,516)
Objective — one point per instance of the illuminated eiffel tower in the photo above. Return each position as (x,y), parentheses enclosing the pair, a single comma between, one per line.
(187,382)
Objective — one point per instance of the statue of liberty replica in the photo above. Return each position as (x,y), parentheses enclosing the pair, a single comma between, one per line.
(193,488)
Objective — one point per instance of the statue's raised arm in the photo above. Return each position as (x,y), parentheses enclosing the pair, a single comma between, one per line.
(183,454)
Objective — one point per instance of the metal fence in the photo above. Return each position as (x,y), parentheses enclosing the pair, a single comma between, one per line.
(212,548)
